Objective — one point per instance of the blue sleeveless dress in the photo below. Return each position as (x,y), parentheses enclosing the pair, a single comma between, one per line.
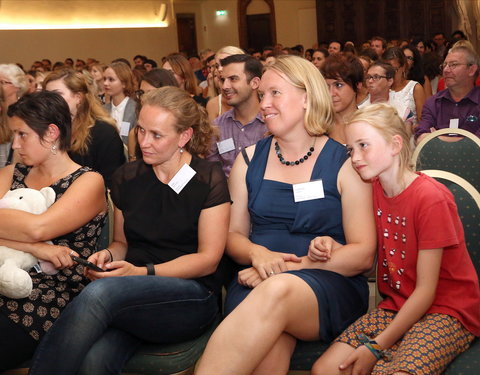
(282,225)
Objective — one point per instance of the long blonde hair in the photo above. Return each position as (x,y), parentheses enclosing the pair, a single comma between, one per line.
(89,110)
(301,73)
(386,120)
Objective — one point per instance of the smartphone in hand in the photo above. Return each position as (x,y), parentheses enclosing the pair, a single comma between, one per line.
(86,263)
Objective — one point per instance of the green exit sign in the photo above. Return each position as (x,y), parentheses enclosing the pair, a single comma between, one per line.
(221,12)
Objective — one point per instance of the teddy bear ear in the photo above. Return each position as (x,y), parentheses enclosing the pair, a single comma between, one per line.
(49,195)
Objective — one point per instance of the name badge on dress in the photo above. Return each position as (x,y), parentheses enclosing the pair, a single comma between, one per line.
(181,178)
(124,128)
(225,146)
(307,191)
(453,123)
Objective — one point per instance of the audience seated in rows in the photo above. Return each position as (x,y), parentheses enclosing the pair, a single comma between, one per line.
(164,278)
(287,286)
(286,249)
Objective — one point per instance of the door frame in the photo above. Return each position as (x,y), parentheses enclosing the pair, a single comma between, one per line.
(242,22)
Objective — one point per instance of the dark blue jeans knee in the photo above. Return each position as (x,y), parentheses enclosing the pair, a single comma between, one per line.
(147,308)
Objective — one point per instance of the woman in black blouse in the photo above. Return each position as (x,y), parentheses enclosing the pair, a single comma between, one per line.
(171,219)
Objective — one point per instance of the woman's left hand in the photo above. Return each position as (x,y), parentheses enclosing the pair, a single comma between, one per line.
(116,269)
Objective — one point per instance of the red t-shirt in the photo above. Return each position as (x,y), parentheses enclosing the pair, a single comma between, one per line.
(424,216)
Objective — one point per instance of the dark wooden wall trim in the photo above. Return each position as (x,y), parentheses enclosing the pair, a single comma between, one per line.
(242,22)
(359,20)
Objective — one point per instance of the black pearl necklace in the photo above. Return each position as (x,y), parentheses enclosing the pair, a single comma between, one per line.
(296,162)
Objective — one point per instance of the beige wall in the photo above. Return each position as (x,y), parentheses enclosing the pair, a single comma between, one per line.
(212,31)
(295,24)
(295,21)
(25,46)
(105,45)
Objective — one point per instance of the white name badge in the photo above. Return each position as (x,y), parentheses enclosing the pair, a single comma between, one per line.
(453,123)
(307,191)
(124,128)
(183,176)
(225,146)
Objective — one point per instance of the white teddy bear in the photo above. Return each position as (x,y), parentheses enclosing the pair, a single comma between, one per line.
(15,282)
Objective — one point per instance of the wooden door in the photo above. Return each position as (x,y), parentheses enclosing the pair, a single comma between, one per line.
(359,20)
(258,31)
(187,33)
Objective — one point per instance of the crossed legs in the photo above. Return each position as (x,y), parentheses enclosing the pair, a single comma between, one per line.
(260,333)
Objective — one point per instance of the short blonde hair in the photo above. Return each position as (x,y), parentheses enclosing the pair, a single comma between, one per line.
(301,73)
(385,119)
(188,114)
(230,50)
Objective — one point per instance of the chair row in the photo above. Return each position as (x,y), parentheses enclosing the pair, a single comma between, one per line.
(453,161)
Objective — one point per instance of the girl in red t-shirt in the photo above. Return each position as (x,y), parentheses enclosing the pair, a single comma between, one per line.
(430,312)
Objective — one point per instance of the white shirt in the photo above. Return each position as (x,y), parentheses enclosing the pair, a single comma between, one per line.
(401,107)
(118,111)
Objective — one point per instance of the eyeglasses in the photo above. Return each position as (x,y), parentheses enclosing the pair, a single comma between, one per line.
(451,65)
(375,77)
(411,58)
(3,83)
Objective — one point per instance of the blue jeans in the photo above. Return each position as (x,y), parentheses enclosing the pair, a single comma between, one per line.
(102,328)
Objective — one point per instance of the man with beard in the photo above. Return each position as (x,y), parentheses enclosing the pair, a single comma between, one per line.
(242,126)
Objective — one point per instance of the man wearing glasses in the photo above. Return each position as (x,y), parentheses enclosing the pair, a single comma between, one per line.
(458,106)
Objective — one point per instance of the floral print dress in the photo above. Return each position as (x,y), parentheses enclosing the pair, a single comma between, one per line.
(50,294)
